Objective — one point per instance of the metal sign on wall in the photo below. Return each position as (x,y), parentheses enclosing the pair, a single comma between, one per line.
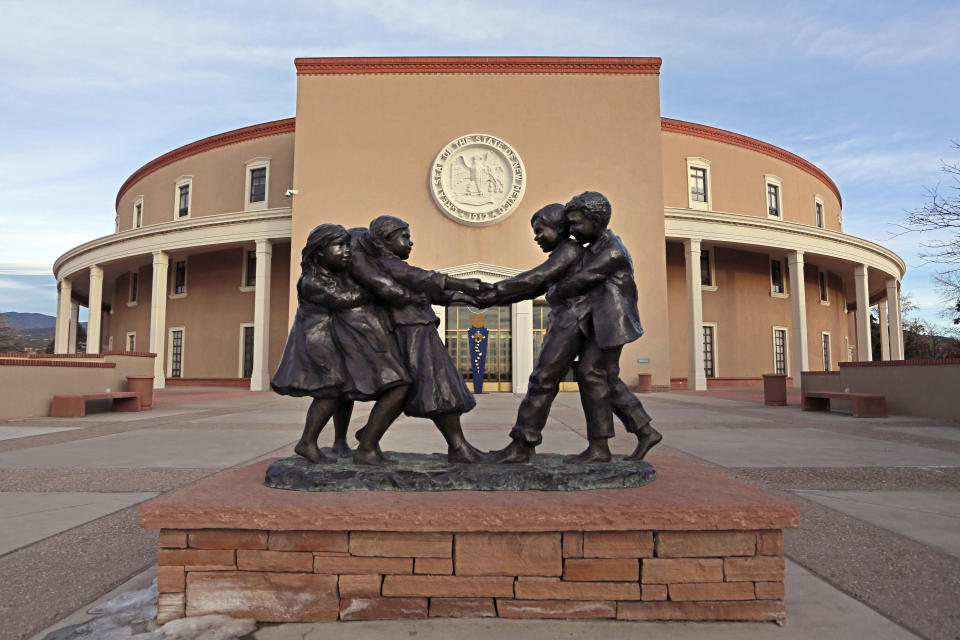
(477,179)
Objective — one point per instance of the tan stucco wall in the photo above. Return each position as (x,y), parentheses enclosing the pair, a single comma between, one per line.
(745,313)
(211,313)
(913,390)
(365,146)
(27,391)
(738,180)
(219,178)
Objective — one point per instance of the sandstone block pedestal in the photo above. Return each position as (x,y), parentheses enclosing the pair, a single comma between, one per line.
(693,545)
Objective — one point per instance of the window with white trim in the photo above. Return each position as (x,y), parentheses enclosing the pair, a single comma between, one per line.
(248,281)
(246,350)
(257,184)
(824,291)
(778,287)
(818,211)
(710,349)
(137,213)
(825,350)
(178,283)
(175,353)
(708,275)
(774,190)
(182,197)
(780,362)
(131,344)
(134,292)
(699,188)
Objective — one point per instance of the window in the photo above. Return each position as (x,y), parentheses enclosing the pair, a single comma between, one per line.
(249,270)
(134,288)
(822,280)
(818,210)
(541,313)
(707,271)
(138,212)
(774,196)
(699,189)
(780,350)
(257,184)
(498,375)
(176,353)
(246,350)
(710,349)
(131,341)
(825,343)
(183,193)
(777,288)
(179,283)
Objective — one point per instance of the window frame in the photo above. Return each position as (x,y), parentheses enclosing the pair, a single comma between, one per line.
(711,253)
(133,293)
(769,180)
(182,181)
(138,202)
(243,327)
(172,294)
(716,350)
(704,164)
(783,277)
(183,351)
(249,166)
(244,270)
(819,212)
(823,287)
(126,343)
(786,348)
(827,364)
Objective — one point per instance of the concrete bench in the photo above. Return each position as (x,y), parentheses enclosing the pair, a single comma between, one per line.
(865,405)
(74,405)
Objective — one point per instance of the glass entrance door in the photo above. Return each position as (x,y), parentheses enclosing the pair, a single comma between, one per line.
(541,313)
(498,375)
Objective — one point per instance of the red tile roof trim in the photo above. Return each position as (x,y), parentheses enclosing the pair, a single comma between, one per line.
(25,362)
(273,128)
(728,137)
(477,65)
(58,356)
(902,363)
(820,373)
(142,354)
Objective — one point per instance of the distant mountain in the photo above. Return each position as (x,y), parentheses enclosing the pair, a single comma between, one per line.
(28,321)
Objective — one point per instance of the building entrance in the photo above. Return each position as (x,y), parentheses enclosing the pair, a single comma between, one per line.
(498,375)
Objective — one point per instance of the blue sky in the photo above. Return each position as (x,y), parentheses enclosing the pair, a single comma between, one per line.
(867,91)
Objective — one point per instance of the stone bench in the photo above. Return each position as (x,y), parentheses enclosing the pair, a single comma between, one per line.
(865,405)
(74,405)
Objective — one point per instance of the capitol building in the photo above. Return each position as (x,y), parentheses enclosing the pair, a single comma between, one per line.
(739,253)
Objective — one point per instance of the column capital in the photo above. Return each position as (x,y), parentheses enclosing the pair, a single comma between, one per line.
(264,245)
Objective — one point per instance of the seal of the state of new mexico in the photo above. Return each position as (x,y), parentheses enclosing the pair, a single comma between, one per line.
(477,179)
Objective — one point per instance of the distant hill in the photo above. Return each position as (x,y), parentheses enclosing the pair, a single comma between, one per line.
(29,321)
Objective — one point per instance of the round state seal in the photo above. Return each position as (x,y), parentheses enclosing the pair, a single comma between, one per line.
(477,179)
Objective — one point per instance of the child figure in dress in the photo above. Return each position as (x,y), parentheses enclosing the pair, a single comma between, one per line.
(340,349)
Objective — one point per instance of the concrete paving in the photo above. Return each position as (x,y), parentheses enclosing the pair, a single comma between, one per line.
(876,554)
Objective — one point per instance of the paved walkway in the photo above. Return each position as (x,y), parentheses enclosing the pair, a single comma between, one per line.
(877,554)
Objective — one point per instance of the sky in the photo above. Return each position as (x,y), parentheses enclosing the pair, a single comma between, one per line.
(867,91)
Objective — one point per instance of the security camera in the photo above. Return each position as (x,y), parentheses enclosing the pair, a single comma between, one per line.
(292,192)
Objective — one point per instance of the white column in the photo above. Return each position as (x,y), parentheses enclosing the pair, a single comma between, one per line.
(884,330)
(798,307)
(896,324)
(696,377)
(61,337)
(158,318)
(864,346)
(441,313)
(260,378)
(74,327)
(521,325)
(95,309)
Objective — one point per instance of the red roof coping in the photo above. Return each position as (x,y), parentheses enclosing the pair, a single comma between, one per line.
(729,137)
(477,65)
(820,373)
(26,362)
(901,363)
(142,354)
(273,128)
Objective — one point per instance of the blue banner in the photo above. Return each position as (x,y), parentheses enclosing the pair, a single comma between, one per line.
(477,339)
